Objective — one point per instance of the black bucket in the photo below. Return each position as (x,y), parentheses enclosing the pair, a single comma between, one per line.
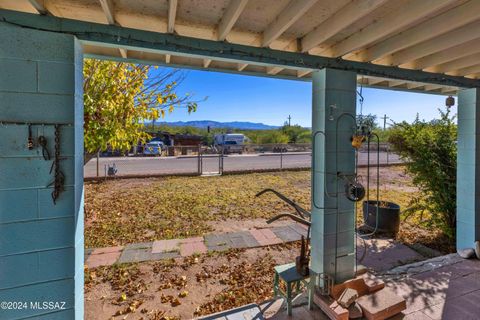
(388,216)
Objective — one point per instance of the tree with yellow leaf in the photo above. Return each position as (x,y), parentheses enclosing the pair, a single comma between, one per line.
(120,97)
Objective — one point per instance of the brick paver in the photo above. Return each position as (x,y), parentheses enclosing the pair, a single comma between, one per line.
(382,253)
(107,250)
(225,241)
(192,246)
(288,233)
(103,257)
(166,246)
(145,254)
(265,237)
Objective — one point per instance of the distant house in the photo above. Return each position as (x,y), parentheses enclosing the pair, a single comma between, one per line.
(171,139)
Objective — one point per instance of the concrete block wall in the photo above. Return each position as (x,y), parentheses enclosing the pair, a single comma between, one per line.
(332,252)
(468,168)
(41,244)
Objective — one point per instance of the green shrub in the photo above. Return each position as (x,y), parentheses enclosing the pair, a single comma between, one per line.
(431,152)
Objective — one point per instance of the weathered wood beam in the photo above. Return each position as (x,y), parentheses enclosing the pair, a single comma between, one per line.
(414,85)
(412,12)
(294,11)
(338,21)
(432,87)
(172,14)
(429,62)
(273,70)
(121,37)
(241,66)
(374,81)
(206,62)
(475,68)
(395,83)
(39,5)
(437,44)
(468,61)
(230,16)
(123,53)
(303,73)
(431,28)
(107,7)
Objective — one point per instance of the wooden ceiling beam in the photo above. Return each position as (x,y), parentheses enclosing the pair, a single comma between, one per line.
(39,5)
(412,12)
(274,70)
(447,21)
(108,11)
(453,53)
(241,66)
(303,73)
(229,18)
(460,63)
(294,11)
(432,87)
(474,68)
(114,36)
(338,21)
(206,62)
(172,14)
(107,7)
(123,53)
(447,40)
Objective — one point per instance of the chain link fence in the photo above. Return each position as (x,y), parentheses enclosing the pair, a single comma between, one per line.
(210,160)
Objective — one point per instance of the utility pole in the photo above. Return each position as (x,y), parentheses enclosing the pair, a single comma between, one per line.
(289,119)
(384,121)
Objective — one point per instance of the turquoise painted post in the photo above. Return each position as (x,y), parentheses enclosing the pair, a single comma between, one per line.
(468,168)
(41,244)
(333,250)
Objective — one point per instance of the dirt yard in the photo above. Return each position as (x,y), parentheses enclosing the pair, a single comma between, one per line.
(183,288)
(120,212)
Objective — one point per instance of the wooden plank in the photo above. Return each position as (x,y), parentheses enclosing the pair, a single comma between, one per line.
(412,12)
(293,12)
(172,13)
(231,15)
(341,19)
(121,37)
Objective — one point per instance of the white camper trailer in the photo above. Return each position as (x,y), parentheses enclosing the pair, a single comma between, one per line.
(230,142)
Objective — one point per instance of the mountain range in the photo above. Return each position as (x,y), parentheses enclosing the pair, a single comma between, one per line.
(245,125)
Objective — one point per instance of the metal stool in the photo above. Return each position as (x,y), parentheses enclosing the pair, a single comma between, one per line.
(288,273)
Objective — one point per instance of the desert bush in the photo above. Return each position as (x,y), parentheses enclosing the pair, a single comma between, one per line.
(430,151)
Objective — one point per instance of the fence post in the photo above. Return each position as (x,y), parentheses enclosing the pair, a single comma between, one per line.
(388,152)
(98,164)
(281,158)
(199,161)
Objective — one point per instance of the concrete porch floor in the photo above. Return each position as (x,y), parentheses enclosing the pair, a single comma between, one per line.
(445,287)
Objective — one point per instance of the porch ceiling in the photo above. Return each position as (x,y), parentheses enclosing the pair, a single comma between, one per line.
(432,35)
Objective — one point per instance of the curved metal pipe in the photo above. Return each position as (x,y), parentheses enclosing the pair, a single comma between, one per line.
(301,211)
(291,216)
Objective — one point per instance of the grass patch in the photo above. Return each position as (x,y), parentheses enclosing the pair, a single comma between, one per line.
(126,211)
(119,212)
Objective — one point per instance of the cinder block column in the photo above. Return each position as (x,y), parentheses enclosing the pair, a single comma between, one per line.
(333,250)
(41,244)
(468,168)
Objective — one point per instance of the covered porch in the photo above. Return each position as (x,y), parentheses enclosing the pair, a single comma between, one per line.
(420,46)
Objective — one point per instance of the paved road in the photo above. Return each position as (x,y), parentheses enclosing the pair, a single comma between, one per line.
(189,164)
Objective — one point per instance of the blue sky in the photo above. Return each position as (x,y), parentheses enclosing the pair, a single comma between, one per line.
(233,97)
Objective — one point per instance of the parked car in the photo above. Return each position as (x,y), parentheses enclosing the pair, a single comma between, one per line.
(153,148)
